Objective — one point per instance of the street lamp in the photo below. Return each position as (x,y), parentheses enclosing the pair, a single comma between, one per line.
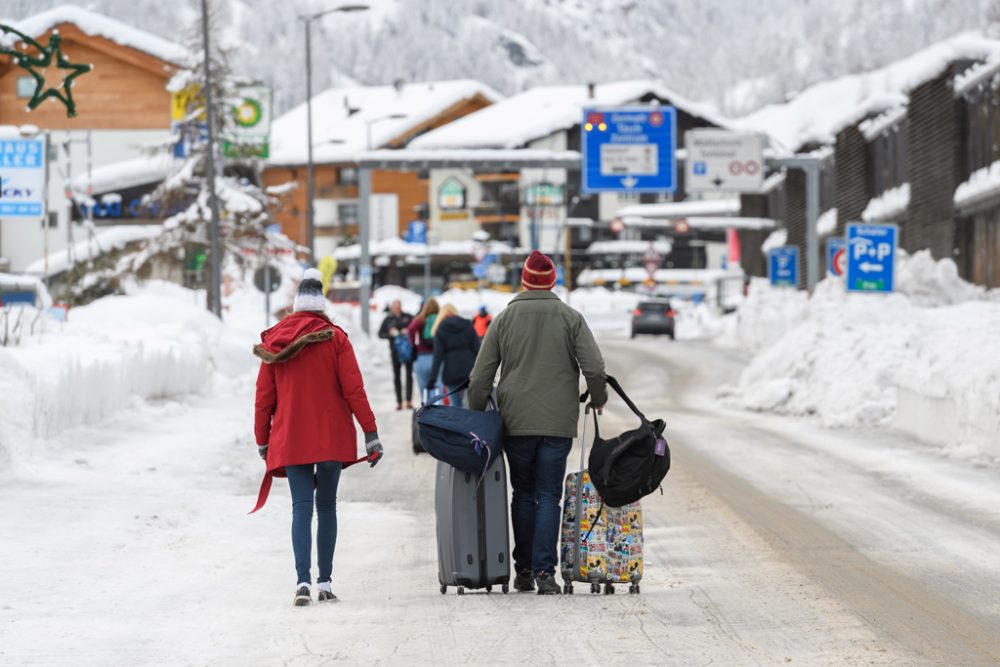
(372,121)
(308,20)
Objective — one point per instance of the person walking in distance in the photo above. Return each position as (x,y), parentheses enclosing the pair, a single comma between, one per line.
(481,322)
(421,336)
(455,347)
(541,346)
(394,325)
(309,392)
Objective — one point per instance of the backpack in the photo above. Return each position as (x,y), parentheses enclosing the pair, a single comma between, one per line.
(429,327)
(632,465)
(404,348)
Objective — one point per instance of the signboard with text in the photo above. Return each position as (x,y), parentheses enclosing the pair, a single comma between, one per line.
(629,149)
(871,257)
(22,178)
(723,160)
(783,266)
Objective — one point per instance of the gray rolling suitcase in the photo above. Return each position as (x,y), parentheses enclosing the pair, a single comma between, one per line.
(472,528)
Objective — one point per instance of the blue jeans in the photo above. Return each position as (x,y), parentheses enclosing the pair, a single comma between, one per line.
(422,369)
(458,398)
(301,483)
(537,468)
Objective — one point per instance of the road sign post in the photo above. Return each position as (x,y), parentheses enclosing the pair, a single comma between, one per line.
(783,266)
(723,160)
(871,257)
(836,256)
(630,149)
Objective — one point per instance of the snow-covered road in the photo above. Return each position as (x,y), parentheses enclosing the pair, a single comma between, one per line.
(776,542)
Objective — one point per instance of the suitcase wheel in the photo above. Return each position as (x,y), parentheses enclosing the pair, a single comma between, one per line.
(461,590)
(609,589)
(568,589)
(444,589)
(633,589)
(595,588)
(505,588)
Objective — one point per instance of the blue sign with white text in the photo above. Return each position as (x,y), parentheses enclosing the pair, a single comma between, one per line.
(22,178)
(783,266)
(871,257)
(416,232)
(630,149)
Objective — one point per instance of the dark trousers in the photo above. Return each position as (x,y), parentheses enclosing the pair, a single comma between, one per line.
(397,368)
(302,485)
(537,467)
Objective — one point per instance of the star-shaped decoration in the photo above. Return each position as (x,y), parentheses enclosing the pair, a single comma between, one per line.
(48,56)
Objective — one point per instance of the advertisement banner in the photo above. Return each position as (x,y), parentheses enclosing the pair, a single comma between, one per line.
(22,178)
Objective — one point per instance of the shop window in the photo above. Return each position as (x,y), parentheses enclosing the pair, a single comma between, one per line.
(26,87)
(347,214)
(348,176)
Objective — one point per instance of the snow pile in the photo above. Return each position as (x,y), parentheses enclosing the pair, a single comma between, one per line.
(925,360)
(106,239)
(827,223)
(157,343)
(890,204)
(982,184)
(776,239)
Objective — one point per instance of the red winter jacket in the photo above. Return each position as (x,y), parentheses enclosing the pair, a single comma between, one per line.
(309,390)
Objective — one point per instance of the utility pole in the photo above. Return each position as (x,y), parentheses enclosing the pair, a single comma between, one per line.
(364,234)
(215,282)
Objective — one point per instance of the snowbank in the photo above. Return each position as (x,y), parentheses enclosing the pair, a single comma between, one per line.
(925,360)
(157,343)
(890,204)
(982,184)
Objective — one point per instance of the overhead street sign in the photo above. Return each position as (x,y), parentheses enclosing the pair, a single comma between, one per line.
(723,160)
(629,149)
(871,257)
(783,266)
(836,256)
(22,178)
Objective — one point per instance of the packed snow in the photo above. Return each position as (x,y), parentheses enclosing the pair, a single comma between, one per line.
(981,185)
(94,245)
(889,205)
(827,222)
(862,360)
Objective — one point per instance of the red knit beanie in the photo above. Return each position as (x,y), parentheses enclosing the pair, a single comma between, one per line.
(539,272)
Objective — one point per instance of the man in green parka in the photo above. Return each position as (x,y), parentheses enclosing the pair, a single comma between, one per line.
(540,346)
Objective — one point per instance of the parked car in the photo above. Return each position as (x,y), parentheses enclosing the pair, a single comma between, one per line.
(653,317)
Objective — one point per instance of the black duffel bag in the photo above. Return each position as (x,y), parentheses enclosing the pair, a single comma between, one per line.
(632,465)
(469,440)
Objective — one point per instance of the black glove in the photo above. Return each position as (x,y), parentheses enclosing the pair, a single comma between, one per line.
(374,448)
(262,450)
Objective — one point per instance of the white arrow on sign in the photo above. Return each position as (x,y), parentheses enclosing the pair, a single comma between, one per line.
(870,268)
(630,182)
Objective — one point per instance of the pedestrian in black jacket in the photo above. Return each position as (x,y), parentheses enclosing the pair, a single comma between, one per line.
(393,326)
(455,347)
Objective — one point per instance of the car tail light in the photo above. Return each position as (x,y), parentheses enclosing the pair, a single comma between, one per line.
(670,313)
(637,312)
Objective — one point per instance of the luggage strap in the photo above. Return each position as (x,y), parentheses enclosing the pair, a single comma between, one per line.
(614,384)
(265,484)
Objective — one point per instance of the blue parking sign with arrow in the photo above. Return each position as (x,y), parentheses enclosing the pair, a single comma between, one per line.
(871,257)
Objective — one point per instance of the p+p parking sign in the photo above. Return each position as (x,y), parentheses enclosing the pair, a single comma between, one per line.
(871,257)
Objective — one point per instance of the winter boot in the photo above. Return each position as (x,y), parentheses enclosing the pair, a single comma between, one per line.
(303,595)
(325,593)
(547,584)
(524,582)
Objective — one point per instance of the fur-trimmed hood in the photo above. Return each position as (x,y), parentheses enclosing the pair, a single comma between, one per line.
(289,336)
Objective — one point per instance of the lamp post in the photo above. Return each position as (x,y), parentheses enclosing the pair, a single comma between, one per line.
(215,286)
(308,20)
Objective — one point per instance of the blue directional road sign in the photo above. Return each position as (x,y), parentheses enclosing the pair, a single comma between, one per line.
(836,256)
(871,257)
(783,266)
(629,149)
(416,232)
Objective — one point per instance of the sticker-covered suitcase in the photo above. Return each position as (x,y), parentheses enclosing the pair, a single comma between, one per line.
(472,528)
(598,545)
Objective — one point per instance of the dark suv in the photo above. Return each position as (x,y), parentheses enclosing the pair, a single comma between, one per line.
(653,317)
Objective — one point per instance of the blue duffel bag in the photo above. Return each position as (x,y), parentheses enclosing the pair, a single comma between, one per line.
(469,440)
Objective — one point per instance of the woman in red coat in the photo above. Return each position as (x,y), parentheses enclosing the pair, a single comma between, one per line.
(309,391)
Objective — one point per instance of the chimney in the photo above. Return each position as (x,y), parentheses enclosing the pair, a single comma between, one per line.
(591,87)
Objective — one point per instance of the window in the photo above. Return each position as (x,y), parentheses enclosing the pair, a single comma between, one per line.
(348,176)
(26,87)
(347,214)
(53,220)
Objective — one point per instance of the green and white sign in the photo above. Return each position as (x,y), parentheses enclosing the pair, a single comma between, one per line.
(451,195)
(250,127)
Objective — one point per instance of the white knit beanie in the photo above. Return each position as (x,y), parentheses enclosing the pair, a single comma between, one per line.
(310,295)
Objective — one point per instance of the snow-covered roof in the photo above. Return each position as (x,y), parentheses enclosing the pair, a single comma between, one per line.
(982,186)
(449,157)
(108,238)
(143,170)
(396,247)
(818,113)
(342,118)
(890,204)
(628,247)
(100,25)
(537,113)
(681,209)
